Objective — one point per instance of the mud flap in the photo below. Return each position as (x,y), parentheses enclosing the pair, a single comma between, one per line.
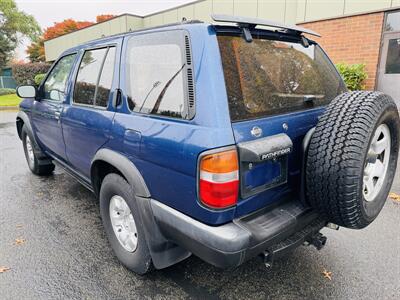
(163,252)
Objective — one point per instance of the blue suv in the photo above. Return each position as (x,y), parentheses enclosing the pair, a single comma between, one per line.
(226,141)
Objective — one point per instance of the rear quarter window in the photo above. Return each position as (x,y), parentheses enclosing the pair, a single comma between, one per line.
(156,77)
(269,77)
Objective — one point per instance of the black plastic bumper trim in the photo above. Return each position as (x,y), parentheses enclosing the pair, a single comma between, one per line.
(231,244)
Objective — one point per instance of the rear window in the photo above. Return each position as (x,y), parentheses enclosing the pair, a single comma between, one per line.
(269,77)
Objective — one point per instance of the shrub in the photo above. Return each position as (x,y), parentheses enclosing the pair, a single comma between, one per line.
(6,92)
(39,78)
(25,73)
(353,75)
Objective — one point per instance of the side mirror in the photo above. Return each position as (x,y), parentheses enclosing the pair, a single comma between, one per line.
(26,91)
(55,95)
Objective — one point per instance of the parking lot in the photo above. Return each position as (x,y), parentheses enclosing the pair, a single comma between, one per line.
(51,238)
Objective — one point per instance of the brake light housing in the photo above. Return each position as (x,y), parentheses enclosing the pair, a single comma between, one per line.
(218,179)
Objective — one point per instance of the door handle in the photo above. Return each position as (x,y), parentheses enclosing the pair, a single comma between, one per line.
(57,115)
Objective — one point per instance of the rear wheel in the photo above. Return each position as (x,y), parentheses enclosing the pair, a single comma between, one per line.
(38,163)
(352,158)
(123,225)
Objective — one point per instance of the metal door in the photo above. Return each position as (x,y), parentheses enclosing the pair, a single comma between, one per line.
(389,67)
(47,109)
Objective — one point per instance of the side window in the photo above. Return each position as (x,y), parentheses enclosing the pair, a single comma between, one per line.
(95,75)
(106,78)
(56,83)
(156,82)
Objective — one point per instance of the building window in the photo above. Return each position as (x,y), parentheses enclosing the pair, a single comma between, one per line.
(393,57)
(392,21)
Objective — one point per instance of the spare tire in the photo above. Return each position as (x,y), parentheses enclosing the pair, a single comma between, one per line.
(352,158)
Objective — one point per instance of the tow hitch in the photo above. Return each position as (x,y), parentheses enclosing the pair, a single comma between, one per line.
(318,240)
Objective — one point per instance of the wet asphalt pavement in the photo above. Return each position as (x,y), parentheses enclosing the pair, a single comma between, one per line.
(66,253)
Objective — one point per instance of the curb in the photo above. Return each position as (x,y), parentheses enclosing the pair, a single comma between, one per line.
(9,108)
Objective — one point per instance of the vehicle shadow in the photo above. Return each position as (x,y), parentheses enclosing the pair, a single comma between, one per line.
(291,277)
(298,275)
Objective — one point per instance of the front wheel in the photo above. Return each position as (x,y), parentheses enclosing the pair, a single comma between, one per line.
(123,225)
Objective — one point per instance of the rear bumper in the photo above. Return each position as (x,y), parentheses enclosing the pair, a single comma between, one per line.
(272,231)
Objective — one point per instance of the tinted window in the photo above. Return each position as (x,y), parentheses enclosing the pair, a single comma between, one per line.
(393,57)
(392,21)
(56,83)
(268,77)
(155,77)
(88,84)
(106,78)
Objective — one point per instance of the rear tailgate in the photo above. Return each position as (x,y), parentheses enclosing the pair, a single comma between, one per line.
(276,91)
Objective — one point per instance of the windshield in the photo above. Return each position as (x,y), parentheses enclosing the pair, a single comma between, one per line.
(269,77)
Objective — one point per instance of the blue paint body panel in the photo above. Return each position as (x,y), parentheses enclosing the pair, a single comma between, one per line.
(299,123)
(166,150)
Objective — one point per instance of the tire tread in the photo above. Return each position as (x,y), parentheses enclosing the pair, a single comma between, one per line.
(335,155)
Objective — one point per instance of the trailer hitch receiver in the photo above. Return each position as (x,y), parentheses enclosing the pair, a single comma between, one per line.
(318,240)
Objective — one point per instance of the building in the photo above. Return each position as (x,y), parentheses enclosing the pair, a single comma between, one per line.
(353,31)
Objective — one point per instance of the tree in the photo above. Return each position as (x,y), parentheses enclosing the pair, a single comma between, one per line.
(35,51)
(66,26)
(14,24)
(7,47)
(102,18)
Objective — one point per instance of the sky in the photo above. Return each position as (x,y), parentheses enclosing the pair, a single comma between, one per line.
(46,12)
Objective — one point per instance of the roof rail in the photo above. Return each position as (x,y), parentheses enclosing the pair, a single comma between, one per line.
(251,23)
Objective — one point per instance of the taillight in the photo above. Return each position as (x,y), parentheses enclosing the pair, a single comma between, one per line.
(219,179)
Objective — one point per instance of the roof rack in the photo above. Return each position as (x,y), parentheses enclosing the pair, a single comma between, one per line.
(251,23)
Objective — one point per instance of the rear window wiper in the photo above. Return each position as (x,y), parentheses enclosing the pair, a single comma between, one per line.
(306,98)
(309,98)
(161,95)
(155,84)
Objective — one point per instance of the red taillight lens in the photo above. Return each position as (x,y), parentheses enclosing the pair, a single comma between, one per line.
(218,195)
(219,179)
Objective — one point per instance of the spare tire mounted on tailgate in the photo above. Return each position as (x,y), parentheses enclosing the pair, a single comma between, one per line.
(352,158)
